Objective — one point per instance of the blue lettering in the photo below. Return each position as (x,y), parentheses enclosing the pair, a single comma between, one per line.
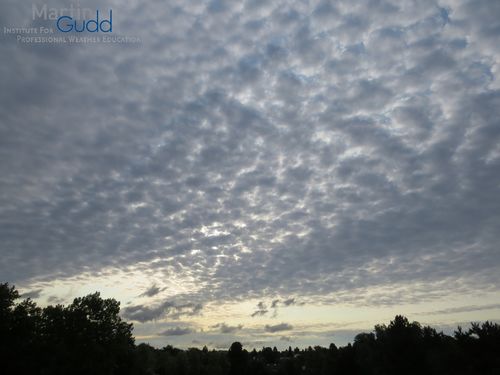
(96,22)
(76,26)
(70,27)
(109,22)
(92,26)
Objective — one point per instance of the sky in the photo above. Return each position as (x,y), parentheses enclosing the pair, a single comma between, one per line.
(273,172)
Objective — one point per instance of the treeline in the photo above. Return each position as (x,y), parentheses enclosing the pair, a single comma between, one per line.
(89,337)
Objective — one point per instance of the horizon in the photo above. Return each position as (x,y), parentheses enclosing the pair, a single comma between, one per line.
(448,330)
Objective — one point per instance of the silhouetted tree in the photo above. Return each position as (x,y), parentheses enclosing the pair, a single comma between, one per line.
(237,358)
(479,348)
(400,346)
(87,337)
(365,348)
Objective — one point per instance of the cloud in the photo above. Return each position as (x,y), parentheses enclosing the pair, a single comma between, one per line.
(261,310)
(278,327)
(276,303)
(224,328)
(32,294)
(460,309)
(259,313)
(152,291)
(55,299)
(177,331)
(287,302)
(142,313)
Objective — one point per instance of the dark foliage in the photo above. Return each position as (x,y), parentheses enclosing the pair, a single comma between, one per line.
(85,337)
(89,337)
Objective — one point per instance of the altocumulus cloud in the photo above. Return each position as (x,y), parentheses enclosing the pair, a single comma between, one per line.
(318,149)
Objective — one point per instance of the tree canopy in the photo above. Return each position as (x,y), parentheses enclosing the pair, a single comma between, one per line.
(86,337)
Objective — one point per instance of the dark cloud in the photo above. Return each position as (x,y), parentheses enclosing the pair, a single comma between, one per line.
(278,327)
(259,313)
(261,310)
(142,313)
(32,294)
(224,328)
(152,291)
(177,331)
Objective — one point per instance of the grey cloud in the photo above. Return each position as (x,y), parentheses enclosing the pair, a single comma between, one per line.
(261,310)
(275,304)
(278,327)
(224,328)
(177,331)
(142,313)
(152,291)
(259,313)
(32,294)
(55,299)
(469,308)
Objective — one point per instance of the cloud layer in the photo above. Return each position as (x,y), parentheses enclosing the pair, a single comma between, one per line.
(259,149)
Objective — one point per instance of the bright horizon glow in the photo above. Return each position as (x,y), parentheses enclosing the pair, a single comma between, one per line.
(310,321)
